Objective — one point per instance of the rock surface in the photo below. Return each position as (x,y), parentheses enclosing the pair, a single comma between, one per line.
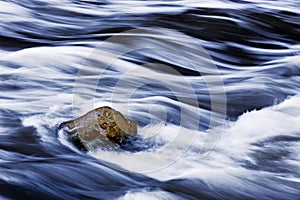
(101,127)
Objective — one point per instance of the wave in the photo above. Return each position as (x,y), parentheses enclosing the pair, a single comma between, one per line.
(214,87)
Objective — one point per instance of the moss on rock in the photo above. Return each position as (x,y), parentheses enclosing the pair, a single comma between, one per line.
(102,127)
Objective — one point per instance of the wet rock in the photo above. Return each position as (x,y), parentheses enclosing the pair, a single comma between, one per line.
(102,127)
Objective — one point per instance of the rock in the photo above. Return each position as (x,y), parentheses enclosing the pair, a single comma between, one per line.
(101,127)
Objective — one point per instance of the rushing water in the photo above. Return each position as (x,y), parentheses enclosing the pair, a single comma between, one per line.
(214,86)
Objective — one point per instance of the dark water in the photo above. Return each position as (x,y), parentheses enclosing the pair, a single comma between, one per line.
(213,85)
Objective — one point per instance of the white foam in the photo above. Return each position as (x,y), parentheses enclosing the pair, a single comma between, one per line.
(43,121)
(222,164)
(149,162)
(148,195)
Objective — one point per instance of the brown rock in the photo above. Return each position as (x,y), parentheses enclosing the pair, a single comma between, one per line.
(101,127)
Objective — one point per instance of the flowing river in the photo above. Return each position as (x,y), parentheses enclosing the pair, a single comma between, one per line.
(213,85)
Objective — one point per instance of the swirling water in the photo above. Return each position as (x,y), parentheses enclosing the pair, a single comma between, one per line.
(181,68)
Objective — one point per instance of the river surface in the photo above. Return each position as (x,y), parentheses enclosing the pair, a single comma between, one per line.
(213,85)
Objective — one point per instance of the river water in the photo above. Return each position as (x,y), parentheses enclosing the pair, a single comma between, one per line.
(213,85)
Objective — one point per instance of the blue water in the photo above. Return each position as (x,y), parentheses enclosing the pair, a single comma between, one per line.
(213,85)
